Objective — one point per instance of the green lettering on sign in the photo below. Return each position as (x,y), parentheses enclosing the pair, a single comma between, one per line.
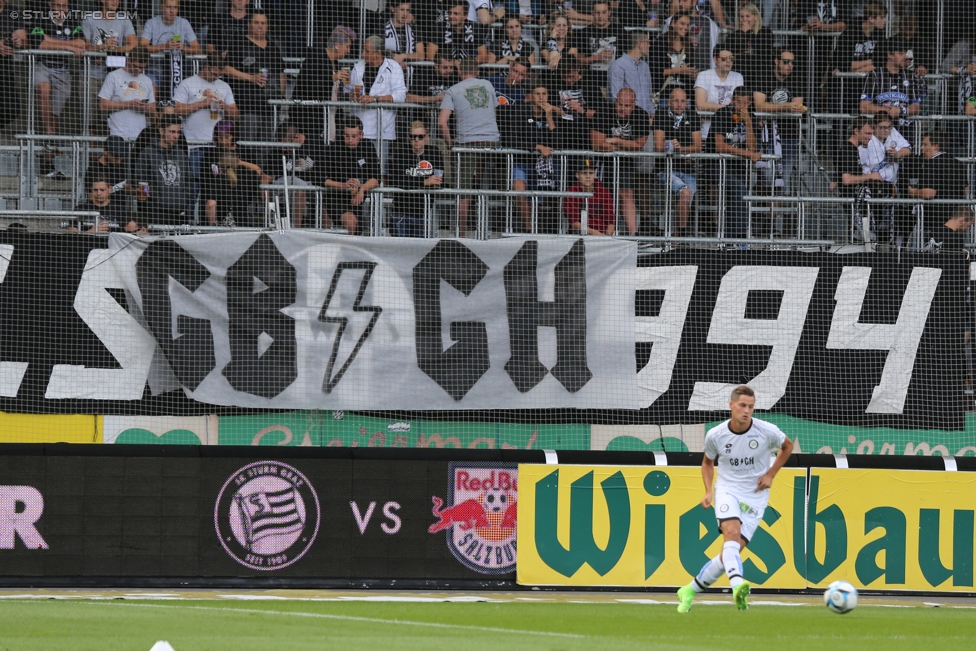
(892,544)
(766,549)
(929,559)
(656,484)
(582,546)
(835,532)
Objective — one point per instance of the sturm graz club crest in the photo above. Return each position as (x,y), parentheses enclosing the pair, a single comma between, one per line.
(267,515)
(480,516)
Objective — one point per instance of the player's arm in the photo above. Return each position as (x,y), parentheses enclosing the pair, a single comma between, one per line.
(708,477)
(785,451)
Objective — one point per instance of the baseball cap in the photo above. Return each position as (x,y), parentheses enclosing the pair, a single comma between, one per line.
(585,164)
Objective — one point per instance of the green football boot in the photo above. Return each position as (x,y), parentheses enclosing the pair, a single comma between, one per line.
(686,595)
(741,594)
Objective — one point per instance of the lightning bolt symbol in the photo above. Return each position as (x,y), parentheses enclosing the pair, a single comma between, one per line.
(358,318)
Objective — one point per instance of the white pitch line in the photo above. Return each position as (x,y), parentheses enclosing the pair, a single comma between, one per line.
(349,618)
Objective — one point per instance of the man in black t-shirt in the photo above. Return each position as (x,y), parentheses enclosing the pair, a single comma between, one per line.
(781,93)
(679,133)
(732,132)
(353,171)
(623,127)
(861,49)
(597,45)
(941,177)
(951,236)
(824,17)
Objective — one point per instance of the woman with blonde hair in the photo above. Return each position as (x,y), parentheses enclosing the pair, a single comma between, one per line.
(557,40)
(752,46)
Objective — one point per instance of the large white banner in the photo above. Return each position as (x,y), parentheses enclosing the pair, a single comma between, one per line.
(312,321)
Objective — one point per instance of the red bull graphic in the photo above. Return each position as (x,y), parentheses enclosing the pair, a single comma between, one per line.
(481,515)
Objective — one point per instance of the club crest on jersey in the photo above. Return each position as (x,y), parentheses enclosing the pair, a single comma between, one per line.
(480,516)
(267,515)
(753,444)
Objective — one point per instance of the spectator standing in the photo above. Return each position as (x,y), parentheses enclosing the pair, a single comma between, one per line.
(596,45)
(510,87)
(472,103)
(854,181)
(752,45)
(531,126)
(515,46)
(961,61)
(891,89)
(110,34)
(52,76)
(733,133)
(414,167)
(781,93)
(11,38)
(428,87)
(941,177)
(819,18)
(632,71)
(712,9)
(401,41)
(353,171)
(307,168)
(169,32)
(460,38)
(600,219)
(229,27)
(681,129)
(861,49)
(165,182)
(714,87)
(382,82)
(322,78)
(671,59)
(624,127)
(256,72)
(228,185)
(127,96)
(202,101)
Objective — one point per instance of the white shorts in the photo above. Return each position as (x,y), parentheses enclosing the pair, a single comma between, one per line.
(746,508)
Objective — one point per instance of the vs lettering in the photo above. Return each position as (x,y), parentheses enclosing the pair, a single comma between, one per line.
(390,527)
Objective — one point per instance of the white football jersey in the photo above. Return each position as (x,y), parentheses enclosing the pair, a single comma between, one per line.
(742,458)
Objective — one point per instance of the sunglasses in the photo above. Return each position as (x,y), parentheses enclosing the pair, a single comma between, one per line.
(728,58)
(418,136)
(788,62)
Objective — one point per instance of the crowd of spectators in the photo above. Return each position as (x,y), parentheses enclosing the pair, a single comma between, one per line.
(595,76)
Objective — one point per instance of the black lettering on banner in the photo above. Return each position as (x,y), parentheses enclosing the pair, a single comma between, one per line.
(190,350)
(567,314)
(331,380)
(457,369)
(259,285)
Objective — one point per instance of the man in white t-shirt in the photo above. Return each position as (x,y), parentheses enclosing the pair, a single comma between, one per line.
(127,95)
(106,31)
(168,31)
(202,100)
(713,87)
(741,447)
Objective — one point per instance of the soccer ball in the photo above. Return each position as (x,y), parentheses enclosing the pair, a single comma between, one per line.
(840,597)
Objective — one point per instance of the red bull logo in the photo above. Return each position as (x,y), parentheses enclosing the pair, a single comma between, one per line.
(480,516)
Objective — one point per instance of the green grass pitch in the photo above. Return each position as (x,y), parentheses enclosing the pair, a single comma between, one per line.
(199,625)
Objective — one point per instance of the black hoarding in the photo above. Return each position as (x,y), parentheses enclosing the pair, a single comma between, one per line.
(296,519)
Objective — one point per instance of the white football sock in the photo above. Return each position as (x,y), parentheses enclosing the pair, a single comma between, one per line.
(709,574)
(732,561)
